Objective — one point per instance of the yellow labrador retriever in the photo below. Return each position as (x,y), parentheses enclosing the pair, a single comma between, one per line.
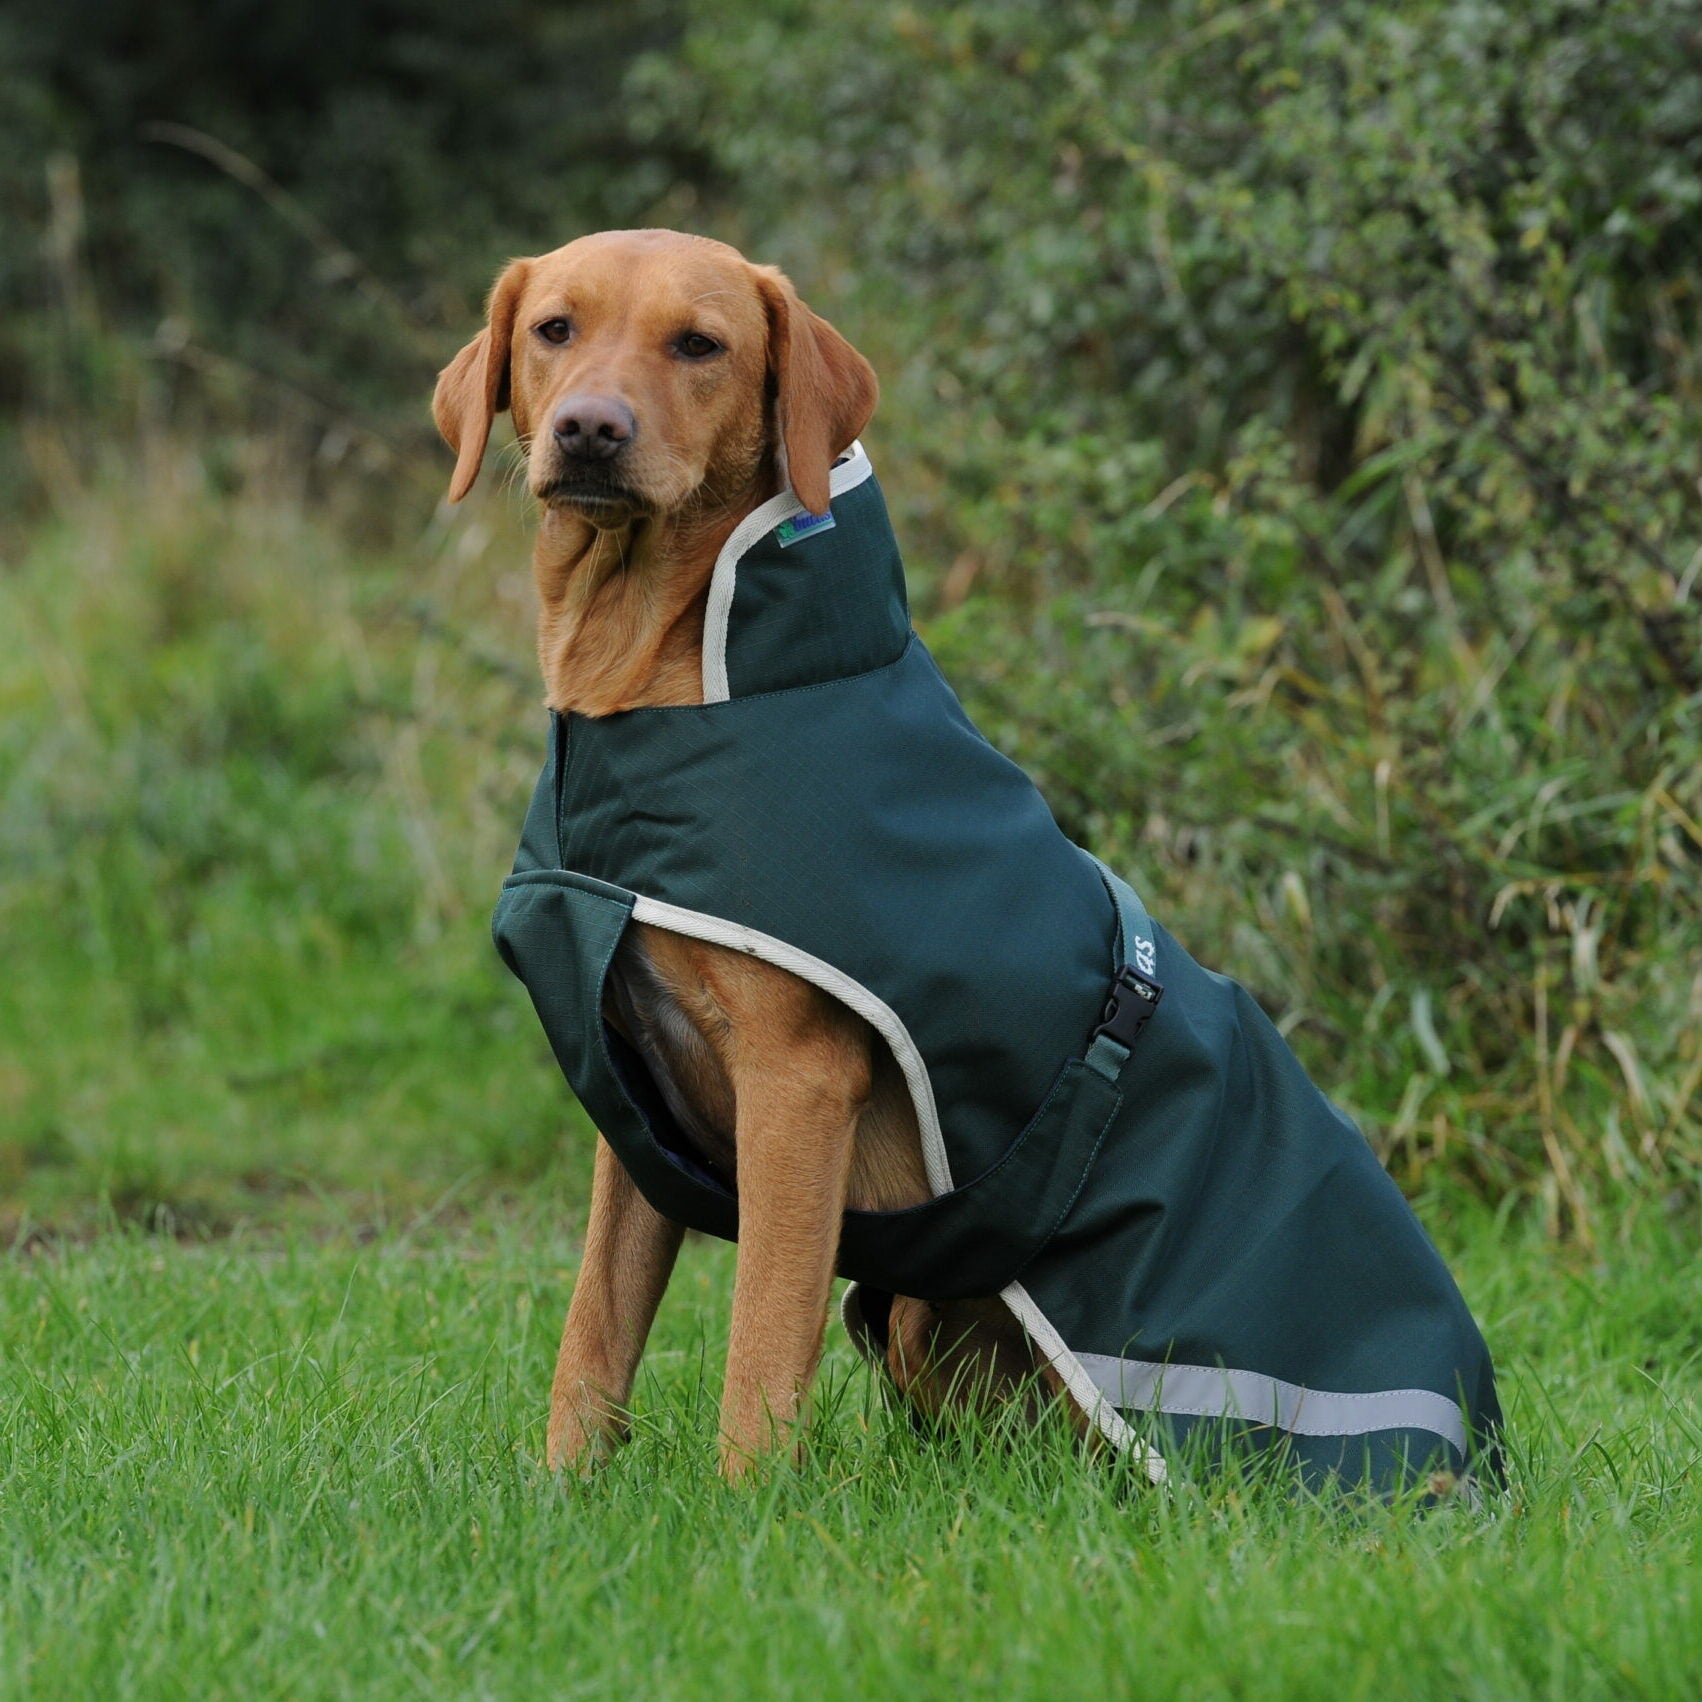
(665,387)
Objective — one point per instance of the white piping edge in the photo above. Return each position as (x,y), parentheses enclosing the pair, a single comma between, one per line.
(880,1017)
(887,1023)
(1074,1375)
(1141,1379)
(846,475)
(853,1325)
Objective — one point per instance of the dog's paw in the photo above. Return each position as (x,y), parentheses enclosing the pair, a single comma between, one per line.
(582,1438)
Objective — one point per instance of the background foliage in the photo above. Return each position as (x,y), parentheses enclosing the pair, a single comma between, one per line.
(1291,411)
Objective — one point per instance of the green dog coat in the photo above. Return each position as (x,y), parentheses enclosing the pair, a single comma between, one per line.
(1118,1142)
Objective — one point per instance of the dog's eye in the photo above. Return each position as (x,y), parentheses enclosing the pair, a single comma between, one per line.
(556,330)
(695,346)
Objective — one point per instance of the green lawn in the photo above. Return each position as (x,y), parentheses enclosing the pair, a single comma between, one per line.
(309,1467)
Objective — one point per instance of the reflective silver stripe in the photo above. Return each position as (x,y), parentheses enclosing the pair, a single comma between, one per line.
(1208,1391)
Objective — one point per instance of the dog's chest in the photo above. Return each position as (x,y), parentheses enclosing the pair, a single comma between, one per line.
(681,1062)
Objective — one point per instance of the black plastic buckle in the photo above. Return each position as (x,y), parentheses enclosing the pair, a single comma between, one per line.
(1134,997)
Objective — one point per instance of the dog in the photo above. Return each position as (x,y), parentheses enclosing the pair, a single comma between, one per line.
(680,407)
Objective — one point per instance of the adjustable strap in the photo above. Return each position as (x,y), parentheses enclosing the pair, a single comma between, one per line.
(1135,991)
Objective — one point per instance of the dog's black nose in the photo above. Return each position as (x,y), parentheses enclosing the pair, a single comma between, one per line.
(593,428)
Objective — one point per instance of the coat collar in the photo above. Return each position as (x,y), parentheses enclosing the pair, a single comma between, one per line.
(787,581)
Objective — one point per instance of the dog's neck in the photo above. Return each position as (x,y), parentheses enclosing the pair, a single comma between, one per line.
(620,612)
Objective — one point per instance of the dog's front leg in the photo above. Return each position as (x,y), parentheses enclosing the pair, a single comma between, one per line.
(629,1255)
(799,1094)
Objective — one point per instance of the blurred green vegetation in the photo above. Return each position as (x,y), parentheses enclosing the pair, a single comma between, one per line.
(1291,412)
(252,805)
(279,208)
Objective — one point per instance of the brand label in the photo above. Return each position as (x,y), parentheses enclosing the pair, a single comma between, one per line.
(803,526)
(1146,960)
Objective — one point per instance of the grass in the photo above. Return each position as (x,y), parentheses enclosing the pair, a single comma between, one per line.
(307,1467)
(258,786)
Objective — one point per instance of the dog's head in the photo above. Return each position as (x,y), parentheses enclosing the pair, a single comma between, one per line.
(651,372)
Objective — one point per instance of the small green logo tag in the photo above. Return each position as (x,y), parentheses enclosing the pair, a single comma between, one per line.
(803,526)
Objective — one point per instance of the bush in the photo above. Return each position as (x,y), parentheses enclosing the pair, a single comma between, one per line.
(1293,411)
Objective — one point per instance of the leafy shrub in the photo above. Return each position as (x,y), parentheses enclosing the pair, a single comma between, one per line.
(1296,405)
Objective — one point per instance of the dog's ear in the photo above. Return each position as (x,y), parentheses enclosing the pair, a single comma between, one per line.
(473,389)
(824,390)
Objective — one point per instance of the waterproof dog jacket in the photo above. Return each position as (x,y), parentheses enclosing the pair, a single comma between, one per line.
(1119,1143)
